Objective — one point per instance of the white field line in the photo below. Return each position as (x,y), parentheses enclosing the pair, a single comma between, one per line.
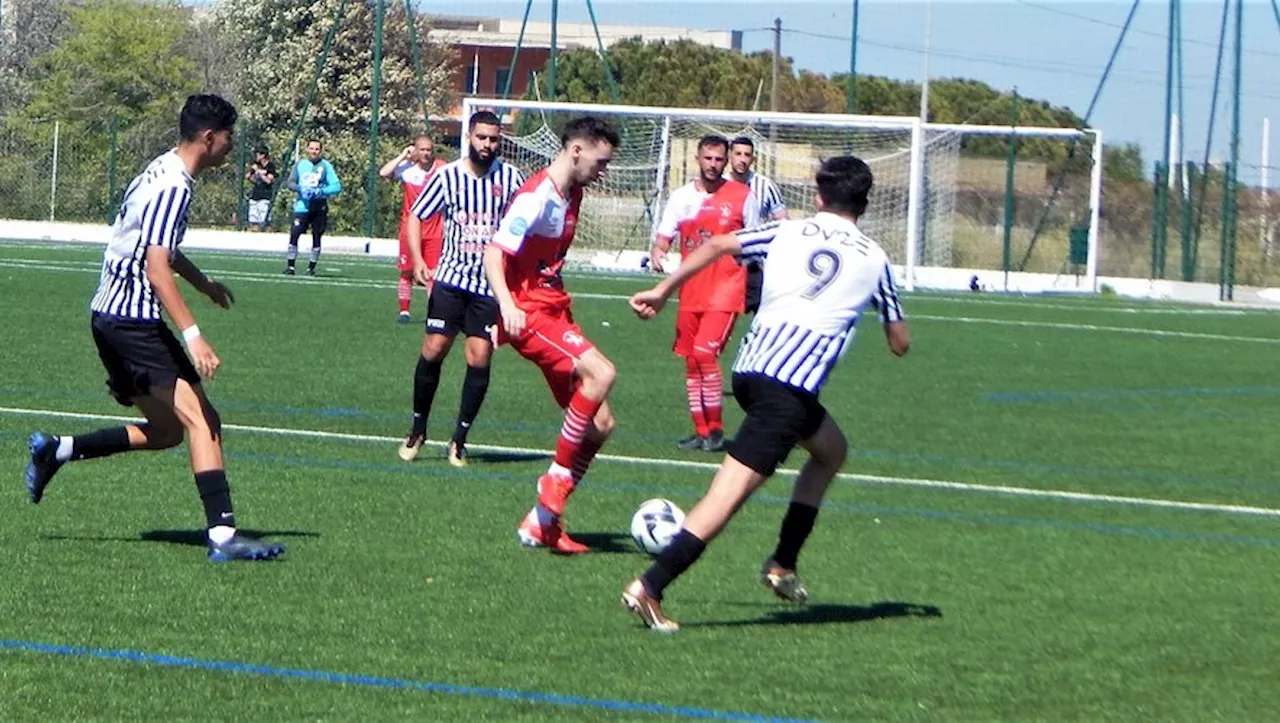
(1086,308)
(255,277)
(1065,495)
(1095,327)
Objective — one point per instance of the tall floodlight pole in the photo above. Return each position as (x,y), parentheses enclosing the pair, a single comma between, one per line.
(371,184)
(851,93)
(551,64)
(1228,274)
(924,84)
(1265,183)
(777,54)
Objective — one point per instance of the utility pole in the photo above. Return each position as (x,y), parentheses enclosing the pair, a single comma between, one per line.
(851,93)
(777,54)
(555,51)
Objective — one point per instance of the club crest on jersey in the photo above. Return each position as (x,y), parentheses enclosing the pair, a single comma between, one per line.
(573,338)
(726,210)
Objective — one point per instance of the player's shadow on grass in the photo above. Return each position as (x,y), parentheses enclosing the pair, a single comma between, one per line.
(494,456)
(610,542)
(194,538)
(829,613)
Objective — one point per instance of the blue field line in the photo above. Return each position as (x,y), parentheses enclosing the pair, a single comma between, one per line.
(1120,394)
(370,681)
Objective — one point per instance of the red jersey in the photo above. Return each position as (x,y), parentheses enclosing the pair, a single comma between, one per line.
(691,217)
(536,233)
(414,178)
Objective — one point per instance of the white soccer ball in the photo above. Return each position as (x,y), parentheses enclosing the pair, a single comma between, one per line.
(655,524)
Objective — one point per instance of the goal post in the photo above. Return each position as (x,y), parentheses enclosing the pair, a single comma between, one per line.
(913,212)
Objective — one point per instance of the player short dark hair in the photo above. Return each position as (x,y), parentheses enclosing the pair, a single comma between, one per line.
(743,141)
(483,117)
(589,128)
(843,183)
(713,141)
(316,141)
(205,113)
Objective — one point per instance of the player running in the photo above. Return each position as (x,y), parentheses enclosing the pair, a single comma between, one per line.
(523,265)
(820,273)
(413,168)
(712,299)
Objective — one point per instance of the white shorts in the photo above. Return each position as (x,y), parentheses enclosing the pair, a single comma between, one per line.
(259,211)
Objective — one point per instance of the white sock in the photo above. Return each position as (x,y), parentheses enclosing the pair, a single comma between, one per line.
(221,534)
(559,470)
(64,449)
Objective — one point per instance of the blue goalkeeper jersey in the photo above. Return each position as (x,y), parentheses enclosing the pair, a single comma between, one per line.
(315,184)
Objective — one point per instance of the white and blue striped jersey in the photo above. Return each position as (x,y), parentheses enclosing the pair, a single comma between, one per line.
(472,207)
(153,213)
(818,278)
(772,207)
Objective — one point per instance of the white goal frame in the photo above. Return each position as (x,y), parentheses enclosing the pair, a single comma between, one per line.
(913,125)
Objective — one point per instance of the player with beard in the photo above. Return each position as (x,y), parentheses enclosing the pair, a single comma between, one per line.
(471,194)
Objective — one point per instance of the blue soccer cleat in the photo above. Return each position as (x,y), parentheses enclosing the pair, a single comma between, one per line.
(240,547)
(43,466)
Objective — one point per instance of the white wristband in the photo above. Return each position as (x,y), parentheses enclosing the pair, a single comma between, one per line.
(190,333)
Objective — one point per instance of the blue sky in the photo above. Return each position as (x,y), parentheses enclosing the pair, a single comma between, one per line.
(1049,49)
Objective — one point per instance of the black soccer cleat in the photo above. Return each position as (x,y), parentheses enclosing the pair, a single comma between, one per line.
(694,441)
(43,466)
(289,271)
(714,441)
(240,547)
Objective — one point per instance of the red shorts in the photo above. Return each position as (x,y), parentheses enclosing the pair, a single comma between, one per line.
(706,331)
(430,251)
(553,342)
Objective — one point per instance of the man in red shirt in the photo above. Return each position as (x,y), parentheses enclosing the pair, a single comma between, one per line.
(711,300)
(413,168)
(523,263)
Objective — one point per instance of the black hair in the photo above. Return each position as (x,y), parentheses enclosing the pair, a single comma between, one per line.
(743,141)
(843,183)
(713,141)
(205,113)
(589,128)
(485,117)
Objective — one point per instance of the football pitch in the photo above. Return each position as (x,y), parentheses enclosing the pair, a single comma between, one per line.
(1053,508)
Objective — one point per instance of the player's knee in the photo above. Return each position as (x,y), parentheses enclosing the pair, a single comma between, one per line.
(600,372)
(435,346)
(478,355)
(705,359)
(164,436)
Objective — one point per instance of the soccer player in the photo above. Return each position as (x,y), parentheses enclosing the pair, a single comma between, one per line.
(315,182)
(523,265)
(146,365)
(742,155)
(710,302)
(820,273)
(471,195)
(413,168)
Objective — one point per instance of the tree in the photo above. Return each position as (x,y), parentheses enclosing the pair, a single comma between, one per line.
(1123,162)
(276,46)
(31,29)
(119,59)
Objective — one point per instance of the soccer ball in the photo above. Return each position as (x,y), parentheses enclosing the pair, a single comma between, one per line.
(655,524)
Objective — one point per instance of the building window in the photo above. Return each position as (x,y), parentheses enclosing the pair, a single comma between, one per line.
(469,85)
(500,77)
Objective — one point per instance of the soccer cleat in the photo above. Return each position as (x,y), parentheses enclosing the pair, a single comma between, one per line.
(411,445)
(288,271)
(783,582)
(311,271)
(43,466)
(648,608)
(457,454)
(695,441)
(404,318)
(244,548)
(554,491)
(714,441)
(552,536)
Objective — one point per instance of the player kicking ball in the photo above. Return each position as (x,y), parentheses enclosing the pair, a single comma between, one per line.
(146,365)
(819,274)
(523,264)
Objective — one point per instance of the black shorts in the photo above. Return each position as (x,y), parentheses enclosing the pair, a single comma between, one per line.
(451,310)
(139,355)
(778,418)
(317,219)
(755,282)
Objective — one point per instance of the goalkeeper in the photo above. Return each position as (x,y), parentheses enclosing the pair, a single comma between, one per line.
(315,182)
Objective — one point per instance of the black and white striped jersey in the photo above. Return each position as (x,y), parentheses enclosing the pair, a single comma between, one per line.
(824,273)
(153,213)
(772,207)
(472,207)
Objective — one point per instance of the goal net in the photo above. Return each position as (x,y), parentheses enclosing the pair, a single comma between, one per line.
(912,209)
